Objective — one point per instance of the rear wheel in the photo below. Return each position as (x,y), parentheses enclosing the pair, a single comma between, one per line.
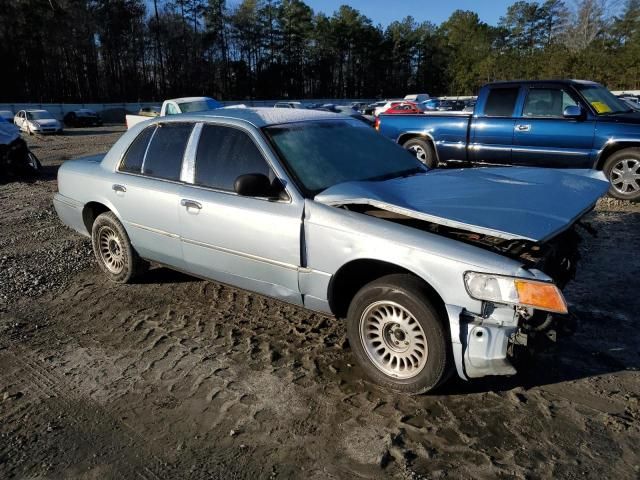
(397,336)
(623,172)
(113,250)
(423,150)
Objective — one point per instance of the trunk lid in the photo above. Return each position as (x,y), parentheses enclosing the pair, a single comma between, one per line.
(512,203)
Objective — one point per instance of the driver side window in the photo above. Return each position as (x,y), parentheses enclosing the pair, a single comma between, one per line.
(225,153)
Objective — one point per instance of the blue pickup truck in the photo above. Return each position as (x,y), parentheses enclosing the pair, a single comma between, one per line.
(559,123)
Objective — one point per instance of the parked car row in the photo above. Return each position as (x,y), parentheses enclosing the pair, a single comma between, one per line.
(40,121)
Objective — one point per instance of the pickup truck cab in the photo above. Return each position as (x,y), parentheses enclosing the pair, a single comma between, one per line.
(553,123)
(176,106)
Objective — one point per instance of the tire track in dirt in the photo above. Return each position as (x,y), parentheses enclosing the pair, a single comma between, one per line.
(45,383)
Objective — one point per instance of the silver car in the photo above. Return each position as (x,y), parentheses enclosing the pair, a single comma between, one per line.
(434,271)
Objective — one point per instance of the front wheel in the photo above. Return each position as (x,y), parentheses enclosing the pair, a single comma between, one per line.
(397,336)
(113,250)
(32,165)
(623,172)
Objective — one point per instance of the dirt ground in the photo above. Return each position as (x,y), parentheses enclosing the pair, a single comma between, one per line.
(175,377)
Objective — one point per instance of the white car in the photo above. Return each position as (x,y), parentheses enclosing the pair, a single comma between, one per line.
(37,121)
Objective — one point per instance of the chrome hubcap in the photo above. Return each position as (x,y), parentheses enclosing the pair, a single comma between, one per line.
(625,176)
(393,339)
(111,251)
(419,152)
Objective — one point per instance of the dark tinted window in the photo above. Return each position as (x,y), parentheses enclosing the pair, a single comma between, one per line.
(164,157)
(501,102)
(132,161)
(225,153)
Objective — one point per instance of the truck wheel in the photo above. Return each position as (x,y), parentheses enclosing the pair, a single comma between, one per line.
(113,250)
(623,172)
(423,150)
(397,336)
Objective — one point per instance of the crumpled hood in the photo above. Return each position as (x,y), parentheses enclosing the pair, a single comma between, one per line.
(508,202)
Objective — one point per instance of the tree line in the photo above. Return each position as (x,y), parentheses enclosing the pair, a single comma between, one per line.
(137,50)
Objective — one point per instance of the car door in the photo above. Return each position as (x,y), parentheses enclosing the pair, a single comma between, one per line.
(253,243)
(20,119)
(543,137)
(146,191)
(492,129)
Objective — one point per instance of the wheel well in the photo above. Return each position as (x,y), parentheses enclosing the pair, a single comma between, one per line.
(351,277)
(402,139)
(611,149)
(90,213)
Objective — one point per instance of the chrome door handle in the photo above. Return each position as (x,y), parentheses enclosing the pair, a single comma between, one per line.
(185,202)
(523,128)
(118,188)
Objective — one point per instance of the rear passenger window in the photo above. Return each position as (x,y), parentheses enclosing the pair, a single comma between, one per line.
(225,153)
(164,156)
(132,161)
(501,102)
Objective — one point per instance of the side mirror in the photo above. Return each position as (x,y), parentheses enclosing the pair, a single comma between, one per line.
(572,111)
(258,185)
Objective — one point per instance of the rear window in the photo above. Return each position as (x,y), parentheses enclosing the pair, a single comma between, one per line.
(132,161)
(164,156)
(501,102)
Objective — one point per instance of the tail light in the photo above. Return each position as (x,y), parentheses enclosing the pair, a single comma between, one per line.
(376,125)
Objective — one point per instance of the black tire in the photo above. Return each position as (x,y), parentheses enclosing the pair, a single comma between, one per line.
(423,150)
(116,257)
(409,293)
(34,167)
(617,162)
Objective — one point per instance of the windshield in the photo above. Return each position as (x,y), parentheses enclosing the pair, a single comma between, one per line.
(324,153)
(39,116)
(199,105)
(602,100)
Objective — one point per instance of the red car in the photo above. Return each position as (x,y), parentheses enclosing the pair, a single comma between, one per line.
(405,108)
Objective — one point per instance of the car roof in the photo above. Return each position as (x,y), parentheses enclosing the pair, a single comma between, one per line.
(36,110)
(529,82)
(189,99)
(265,116)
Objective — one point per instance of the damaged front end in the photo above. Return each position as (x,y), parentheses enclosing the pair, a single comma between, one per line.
(498,337)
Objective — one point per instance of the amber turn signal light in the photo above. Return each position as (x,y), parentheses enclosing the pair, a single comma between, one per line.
(545,296)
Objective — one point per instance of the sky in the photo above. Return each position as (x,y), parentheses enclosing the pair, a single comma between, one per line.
(435,11)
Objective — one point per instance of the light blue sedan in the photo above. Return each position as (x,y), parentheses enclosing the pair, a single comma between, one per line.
(433,271)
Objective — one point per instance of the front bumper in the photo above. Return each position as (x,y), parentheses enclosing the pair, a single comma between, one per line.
(488,344)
